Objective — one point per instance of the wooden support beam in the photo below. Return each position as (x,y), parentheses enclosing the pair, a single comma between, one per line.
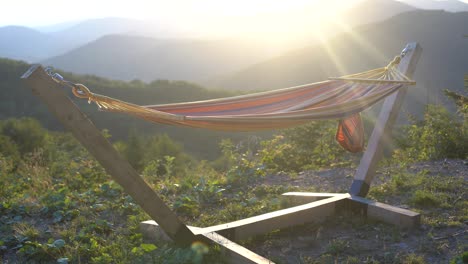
(311,194)
(386,213)
(379,211)
(295,198)
(236,253)
(383,127)
(262,224)
(52,94)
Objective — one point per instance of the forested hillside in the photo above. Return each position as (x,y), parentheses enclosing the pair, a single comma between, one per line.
(16,100)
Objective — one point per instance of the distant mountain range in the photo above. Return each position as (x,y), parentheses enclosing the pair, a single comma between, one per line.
(447,5)
(33,45)
(443,64)
(134,57)
(24,43)
(125,57)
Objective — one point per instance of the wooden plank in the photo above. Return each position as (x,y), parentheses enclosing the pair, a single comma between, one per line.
(389,214)
(262,224)
(296,198)
(311,194)
(52,94)
(383,127)
(236,253)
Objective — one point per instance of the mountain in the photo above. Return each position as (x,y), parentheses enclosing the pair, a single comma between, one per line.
(371,11)
(128,57)
(90,30)
(447,5)
(132,57)
(57,27)
(444,60)
(33,45)
(23,43)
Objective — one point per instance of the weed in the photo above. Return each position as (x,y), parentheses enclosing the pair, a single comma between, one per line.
(425,198)
(413,259)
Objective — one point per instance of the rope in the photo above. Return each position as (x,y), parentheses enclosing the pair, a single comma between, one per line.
(387,74)
(108,103)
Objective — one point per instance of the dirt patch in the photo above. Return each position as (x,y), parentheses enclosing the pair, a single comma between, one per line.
(351,238)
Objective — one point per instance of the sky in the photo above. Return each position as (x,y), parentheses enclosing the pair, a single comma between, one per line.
(35,13)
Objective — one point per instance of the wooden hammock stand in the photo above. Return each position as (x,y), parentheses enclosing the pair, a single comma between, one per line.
(318,207)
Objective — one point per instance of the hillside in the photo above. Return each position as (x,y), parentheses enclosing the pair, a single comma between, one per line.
(132,57)
(447,5)
(16,101)
(16,43)
(33,45)
(443,63)
(372,11)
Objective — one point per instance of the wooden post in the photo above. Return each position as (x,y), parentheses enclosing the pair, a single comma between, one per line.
(383,126)
(52,94)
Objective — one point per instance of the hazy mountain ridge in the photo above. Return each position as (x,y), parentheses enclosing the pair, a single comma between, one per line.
(447,5)
(128,58)
(371,11)
(69,36)
(132,57)
(23,43)
(33,45)
(443,63)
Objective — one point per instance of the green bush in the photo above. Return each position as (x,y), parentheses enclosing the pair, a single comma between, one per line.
(439,135)
(309,146)
(26,133)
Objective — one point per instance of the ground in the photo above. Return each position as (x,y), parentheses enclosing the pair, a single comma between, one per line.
(82,216)
(435,189)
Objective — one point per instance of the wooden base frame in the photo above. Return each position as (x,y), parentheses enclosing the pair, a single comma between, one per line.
(316,208)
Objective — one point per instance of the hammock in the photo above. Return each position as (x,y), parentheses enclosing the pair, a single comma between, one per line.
(338,98)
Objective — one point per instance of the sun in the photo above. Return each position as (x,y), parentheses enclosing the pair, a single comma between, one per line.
(275,21)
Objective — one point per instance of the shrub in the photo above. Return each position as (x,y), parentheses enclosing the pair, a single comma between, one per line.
(439,135)
(26,133)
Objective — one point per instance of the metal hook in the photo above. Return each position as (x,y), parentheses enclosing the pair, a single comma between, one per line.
(405,51)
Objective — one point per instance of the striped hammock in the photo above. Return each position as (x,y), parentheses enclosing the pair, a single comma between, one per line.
(338,98)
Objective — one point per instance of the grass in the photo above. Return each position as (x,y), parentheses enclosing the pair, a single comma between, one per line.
(59,206)
(83,216)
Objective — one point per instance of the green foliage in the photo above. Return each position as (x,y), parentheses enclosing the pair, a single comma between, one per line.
(462,259)
(26,133)
(413,259)
(310,146)
(425,198)
(440,135)
(244,164)
(156,156)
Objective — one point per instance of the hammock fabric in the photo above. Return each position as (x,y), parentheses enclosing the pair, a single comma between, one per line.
(338,98)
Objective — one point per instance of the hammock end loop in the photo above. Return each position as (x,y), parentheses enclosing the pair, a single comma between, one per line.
(81,91)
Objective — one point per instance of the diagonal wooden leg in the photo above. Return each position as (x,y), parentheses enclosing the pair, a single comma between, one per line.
(52,94)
